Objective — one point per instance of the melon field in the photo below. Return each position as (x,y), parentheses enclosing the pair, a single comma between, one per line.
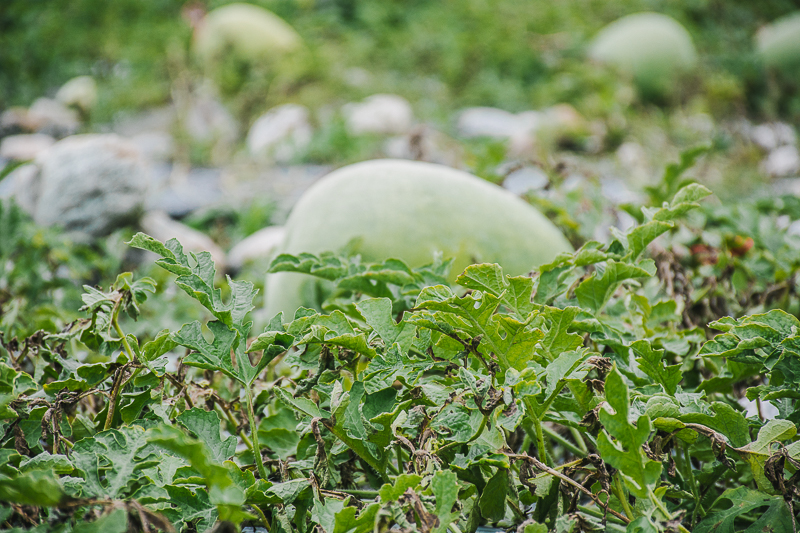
(361,266)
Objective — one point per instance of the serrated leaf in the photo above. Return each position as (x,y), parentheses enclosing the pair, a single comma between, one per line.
(594,292)
(651,363)
(206,426)
(744,500)
(211,356)
(377,313)
(110,461)
(639,472)
(222,491)
(757,452)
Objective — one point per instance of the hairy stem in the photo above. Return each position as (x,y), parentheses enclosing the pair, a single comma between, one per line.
(262,471)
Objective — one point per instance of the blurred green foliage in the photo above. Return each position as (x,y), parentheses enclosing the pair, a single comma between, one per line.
(457,52)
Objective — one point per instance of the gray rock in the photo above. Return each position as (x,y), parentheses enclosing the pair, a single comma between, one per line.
(87,184)
(155,145)
(280,133)
(53,117)
(259,245)
(783,161)
(200,188)
(160,226)
(19,184)
(208,121)
(161,119)
(25,147)
(380,113)
(525,179)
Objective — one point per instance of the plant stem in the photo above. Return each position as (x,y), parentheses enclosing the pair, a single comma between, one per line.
(263,518)
(369,494)
(125,344)
(564,442)
(619,492)
(233,422)
(112,401)
(597,514)
(262,471)
(579,439)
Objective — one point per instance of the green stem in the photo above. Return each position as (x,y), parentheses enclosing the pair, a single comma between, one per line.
(579,439)
(229,417)
(564,442)
(262,471)
(368,494)
(659,505)
(599,514)
(263,518)
(118,329)
(619,492)
(118,384)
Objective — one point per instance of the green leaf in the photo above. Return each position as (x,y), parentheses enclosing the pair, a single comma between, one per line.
(594,292)
(651,363)
(36,487)
(206,426)
(493,498)
(726,420)
(756,453)
(744,500)
(210,356)
(514,292)
(222,491)
(390,492)
(377,313)
(326,266)
(115,521)
(639,472)
(110,461)
(444,486)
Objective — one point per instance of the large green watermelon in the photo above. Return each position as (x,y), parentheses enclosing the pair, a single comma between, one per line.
(778,44)
(246,32)
(654,48)
(409,210)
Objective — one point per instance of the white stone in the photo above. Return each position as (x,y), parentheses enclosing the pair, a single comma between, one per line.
(773,135)
(424,143)
(52,117)
(25,147)
(783,161)
(525,179)
(380,113)
(492,122)
(87,184)
(160,226)
(80,92)
(258,246)
(280,133)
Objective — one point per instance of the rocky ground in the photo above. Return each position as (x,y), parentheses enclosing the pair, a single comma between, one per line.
(138,171)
